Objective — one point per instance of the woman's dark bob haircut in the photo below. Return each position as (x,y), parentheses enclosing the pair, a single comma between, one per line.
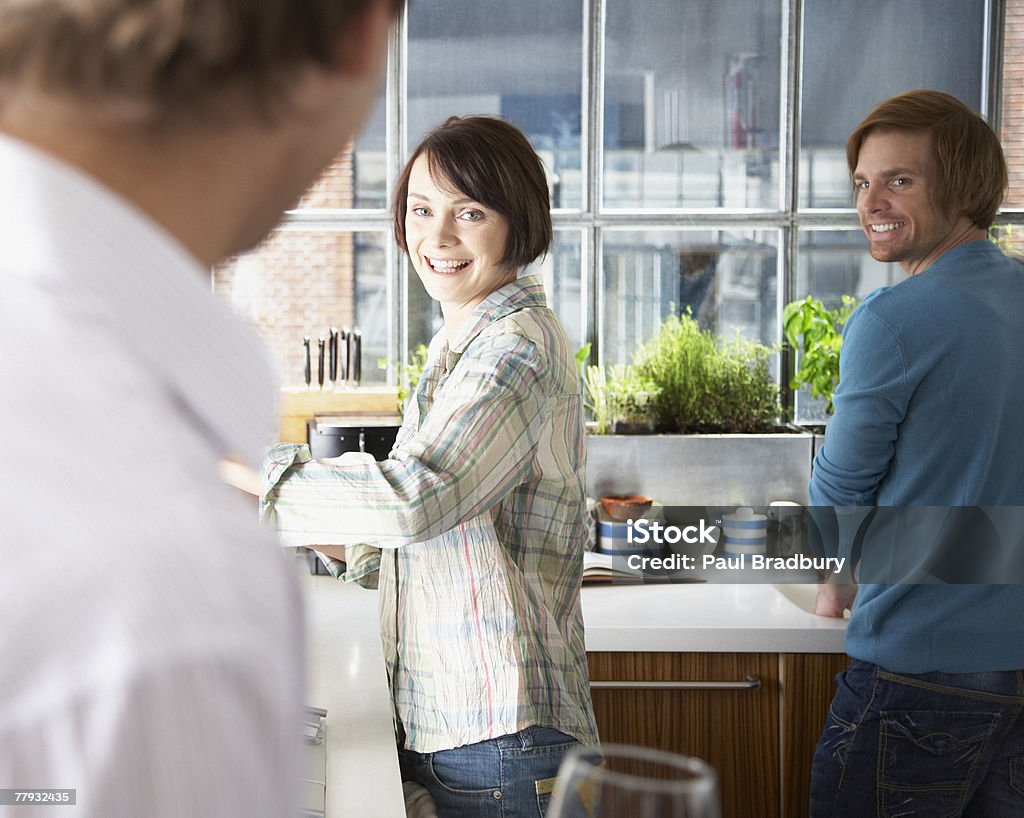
(970,170)
(493,163)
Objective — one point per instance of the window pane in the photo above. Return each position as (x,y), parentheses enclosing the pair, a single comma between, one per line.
(691,104)
(725,278)
(520,60)
(371,161)
(831,264)
(561,271)
(423,319)
(1013,103)
(300,283)
(357,178)
(859,54)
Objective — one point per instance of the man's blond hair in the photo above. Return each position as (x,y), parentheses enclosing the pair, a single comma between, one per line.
(148,59)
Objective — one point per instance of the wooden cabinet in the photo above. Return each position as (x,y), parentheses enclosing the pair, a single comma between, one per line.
(808,683)
(755,717)
(720,707)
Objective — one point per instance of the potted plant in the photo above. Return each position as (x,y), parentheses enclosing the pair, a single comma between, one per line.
(816,333)
(714,405)
(621,400)
(686,381)
(706,384)
(409,375)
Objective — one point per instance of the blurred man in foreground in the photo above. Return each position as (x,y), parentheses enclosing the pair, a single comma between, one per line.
(152,656)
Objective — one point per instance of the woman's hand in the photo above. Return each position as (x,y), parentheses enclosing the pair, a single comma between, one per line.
(335,551)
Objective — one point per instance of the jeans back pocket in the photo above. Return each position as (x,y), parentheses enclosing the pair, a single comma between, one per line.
(929,757)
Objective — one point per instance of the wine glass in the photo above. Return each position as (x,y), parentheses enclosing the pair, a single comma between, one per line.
(619,781)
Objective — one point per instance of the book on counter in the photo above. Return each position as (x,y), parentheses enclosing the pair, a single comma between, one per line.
(614,568)
(598,567)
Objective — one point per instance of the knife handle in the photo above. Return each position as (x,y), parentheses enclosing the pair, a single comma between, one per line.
(309,367)
(343,355)
(333,343)
(355,361)
(320,364)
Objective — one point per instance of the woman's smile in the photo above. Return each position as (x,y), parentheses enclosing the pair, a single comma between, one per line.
(445,266)
(456,244)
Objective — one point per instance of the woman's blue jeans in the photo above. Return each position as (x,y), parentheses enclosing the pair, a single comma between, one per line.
(941,745)
(507,777)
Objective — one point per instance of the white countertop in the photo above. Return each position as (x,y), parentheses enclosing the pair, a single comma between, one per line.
(708,617)
(347,678)
(347,675)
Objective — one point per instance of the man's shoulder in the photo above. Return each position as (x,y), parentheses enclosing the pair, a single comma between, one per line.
(112,498)
(93,605)
(917,299)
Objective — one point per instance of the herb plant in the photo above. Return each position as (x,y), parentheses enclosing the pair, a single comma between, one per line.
(1008,238)
(621,399)
(410,374)
(816,332)
(707,385)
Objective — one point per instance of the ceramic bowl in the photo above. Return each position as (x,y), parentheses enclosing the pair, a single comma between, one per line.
(623,507)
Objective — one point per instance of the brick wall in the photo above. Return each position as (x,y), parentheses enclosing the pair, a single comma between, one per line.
(298,283)
(1012,130)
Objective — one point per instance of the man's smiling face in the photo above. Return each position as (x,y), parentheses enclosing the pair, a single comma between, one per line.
(895,185)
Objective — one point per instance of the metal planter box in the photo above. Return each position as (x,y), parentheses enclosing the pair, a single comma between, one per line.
(701,470)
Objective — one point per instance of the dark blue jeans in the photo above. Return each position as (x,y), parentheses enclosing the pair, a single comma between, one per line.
(940,745)
(507,777)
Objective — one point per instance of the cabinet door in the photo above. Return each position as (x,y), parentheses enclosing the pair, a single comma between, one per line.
(716,715)
(808,684)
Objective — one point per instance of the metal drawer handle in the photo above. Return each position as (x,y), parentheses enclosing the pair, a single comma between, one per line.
(750,683)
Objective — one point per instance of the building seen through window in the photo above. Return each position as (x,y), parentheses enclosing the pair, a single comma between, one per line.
(693,161)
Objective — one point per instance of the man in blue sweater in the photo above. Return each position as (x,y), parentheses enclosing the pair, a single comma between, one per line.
(929,422)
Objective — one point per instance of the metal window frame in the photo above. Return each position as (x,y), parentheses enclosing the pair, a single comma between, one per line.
(593,219)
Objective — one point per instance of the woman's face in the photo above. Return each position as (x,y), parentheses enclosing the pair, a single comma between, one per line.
(455,243)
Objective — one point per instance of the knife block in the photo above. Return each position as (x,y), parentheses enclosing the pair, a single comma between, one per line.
(299,405)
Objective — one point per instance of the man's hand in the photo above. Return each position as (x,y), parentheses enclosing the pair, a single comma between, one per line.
(834,599)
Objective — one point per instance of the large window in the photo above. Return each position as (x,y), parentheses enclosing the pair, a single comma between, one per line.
(858,54)
(724,278)
(691,104)
(519,60)
(695,158)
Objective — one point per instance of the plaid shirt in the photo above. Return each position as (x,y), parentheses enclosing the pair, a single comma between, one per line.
(480,613)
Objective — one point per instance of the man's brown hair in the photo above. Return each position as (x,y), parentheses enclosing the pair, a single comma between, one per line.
(970,170)
(493,163)
(151,58)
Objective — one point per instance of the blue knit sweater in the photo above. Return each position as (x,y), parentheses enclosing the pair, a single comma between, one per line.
(930,412)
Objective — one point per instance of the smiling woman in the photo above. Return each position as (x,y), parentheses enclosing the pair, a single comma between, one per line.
(456,245)
(479,510)
(470,222)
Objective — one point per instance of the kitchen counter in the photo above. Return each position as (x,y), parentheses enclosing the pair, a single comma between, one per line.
(347,675)
(754,618)
(347,678)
